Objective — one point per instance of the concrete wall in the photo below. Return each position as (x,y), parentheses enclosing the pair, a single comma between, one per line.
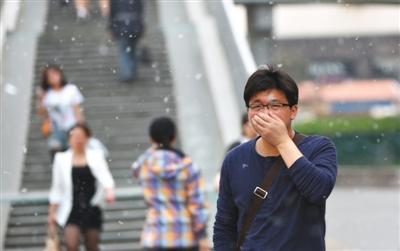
(16,90)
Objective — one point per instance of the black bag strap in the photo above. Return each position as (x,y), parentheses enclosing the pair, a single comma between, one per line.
(261,192)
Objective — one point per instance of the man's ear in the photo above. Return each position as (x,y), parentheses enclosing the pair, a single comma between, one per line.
(293,111)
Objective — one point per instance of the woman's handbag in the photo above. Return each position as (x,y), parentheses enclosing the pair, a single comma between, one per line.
(52,241)
(46,127)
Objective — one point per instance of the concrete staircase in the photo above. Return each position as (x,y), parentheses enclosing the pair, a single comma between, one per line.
(118,114)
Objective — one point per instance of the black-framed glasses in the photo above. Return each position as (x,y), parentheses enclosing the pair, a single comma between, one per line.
(270,106)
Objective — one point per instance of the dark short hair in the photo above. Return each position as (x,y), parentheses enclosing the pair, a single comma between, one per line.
(82,126)
(51,67)
(162,131)
(267,78)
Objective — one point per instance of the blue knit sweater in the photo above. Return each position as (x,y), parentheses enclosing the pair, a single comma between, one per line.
(292,218)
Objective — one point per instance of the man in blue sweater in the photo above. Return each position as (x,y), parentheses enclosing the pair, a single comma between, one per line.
(292,215)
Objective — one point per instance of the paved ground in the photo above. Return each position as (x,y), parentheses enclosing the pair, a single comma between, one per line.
(365,218)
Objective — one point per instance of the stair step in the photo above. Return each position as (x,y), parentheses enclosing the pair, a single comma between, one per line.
(107,227)
(36,209)
(105,237)
(118,113)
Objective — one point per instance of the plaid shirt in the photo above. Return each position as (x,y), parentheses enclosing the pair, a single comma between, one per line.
(173,189)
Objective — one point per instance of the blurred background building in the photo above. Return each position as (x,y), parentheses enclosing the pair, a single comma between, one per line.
(344,55)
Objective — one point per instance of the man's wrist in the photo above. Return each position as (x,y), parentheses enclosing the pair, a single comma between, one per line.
(287,141)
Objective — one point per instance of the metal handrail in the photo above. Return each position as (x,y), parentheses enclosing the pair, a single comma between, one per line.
(42,196)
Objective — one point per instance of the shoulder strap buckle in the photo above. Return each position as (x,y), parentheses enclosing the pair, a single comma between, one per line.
(261,193)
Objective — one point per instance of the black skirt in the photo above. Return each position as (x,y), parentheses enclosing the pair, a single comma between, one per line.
(89,218)
(83,214)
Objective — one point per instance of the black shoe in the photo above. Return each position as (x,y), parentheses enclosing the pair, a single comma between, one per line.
(127,80)
(145,55)
(65,3)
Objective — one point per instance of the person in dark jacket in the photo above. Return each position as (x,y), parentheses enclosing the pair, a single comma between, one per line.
(126,26)
(292,213)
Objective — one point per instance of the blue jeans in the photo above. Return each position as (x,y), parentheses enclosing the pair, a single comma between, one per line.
(127,58)
(58,139)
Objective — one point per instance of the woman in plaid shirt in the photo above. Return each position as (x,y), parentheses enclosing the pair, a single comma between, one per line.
(174,190)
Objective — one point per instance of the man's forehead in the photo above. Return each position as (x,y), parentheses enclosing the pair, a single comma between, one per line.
(269,96)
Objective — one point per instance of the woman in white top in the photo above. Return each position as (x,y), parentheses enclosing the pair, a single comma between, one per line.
(60,105)
(81,182)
